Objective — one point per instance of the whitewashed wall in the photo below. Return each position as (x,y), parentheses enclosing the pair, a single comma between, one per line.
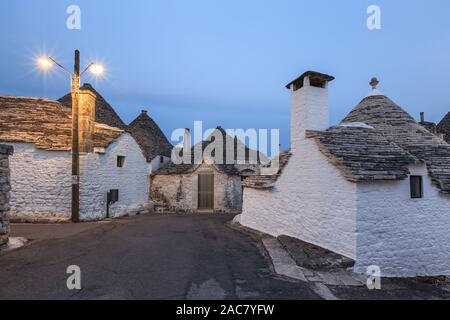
(179,192)
(403,236)
(375,223)
(40,183)
(311,201)
(99,174)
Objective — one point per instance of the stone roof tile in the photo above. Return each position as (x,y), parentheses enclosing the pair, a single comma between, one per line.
(45,123)
(263,181)
(363,154)
(251,157)
(104,113)
(400,128)
(149,136)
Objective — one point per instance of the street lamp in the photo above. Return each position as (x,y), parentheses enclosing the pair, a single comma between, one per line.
(45,63)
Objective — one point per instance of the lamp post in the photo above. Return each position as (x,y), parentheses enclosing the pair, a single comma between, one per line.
(46,63)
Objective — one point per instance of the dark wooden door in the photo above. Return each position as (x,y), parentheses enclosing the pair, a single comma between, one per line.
(206,191)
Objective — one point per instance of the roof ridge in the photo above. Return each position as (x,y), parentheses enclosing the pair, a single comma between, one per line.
(29,98)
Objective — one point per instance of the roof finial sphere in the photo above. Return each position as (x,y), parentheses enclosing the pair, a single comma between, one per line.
(374,83)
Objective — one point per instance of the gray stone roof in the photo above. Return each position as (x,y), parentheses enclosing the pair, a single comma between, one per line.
(363,154)
(260,181)
(171,168)
(144,130)
(379,145)
(232,169)
(149,136)
(104,113)
(397,126)
(250,156)
(444,127)
(45,123)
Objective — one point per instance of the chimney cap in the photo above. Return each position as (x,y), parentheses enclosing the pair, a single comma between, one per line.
(316,79)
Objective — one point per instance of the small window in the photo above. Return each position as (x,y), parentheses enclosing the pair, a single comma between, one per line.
(416,187)
(161,159)
(120,161)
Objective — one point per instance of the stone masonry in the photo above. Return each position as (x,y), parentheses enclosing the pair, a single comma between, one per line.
(5,187)
(179,192)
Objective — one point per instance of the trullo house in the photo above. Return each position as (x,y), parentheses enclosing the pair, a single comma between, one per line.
(211,184)
(115,159)
(374,188)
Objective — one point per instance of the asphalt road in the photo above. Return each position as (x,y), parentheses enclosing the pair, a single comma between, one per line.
(145,257)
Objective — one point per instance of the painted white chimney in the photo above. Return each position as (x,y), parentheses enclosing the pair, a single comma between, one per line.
(309,106)
(187,142)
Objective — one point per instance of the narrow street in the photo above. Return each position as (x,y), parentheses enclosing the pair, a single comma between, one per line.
(143,257)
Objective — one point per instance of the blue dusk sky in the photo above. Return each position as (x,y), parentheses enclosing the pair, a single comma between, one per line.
(227,62)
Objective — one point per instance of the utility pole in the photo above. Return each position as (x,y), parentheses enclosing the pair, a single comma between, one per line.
(75,143)
(45,63)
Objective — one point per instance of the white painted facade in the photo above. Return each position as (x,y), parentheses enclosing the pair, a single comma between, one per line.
(99,174)
(374,223)
(404,236)
(41,182)
(311,200)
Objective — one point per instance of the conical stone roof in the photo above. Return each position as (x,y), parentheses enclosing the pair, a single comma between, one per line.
(149,136)
(400,128)
(104,113)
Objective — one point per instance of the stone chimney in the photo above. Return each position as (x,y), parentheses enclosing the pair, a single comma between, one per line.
(430,126)
(187,140)
(86,120)
(187,147)
(309,105)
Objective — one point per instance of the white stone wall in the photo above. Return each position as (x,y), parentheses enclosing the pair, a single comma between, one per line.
(179,192)
(40,183)
(311,201)
(99,174)
(309,111)
(403,236)
(375,223)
